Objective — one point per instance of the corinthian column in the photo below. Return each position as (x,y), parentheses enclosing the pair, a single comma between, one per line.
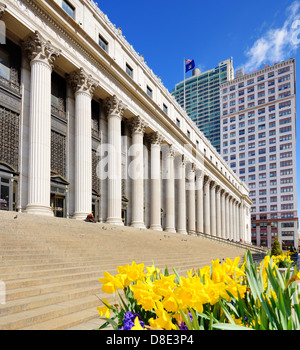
(181,198)
(206,196)
(115,109)
(155,215)
(42,56)
(170,191)
(191,197)
(136,172)
(83,86)
(199,200)
(213,209)
(218,211)
(227,212)
(223,211)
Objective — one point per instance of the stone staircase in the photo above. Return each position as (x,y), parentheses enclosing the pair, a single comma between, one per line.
(51,266)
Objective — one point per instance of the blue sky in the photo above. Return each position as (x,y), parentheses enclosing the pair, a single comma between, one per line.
(253,33)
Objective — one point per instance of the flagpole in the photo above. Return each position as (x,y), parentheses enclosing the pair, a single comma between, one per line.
(184,83)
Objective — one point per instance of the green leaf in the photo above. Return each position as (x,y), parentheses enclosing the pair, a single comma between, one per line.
(228,326)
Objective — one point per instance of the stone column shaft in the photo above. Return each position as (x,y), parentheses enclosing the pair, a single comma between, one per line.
(223,218)
(191,198)
(206,194)
(181,198)
(213,210)
(115,109)
(218,213)
(155,215)
(227,215)
(42,55)
(136,172)
(83,86)
(199,201)
(170,192)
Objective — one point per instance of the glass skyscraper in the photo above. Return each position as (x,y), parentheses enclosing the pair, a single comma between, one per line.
(202,98)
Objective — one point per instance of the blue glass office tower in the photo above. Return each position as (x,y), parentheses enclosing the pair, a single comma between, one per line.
(202,98)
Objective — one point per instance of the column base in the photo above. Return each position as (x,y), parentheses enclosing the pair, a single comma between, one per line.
(170,230)
(155,228)
(38,210)
(115,221)
(138,225)
(80,216)
(182,232)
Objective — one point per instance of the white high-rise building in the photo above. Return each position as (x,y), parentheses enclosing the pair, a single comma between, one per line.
(258,141)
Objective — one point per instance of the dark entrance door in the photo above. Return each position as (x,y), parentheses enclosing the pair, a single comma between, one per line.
(57,203)
(4,195)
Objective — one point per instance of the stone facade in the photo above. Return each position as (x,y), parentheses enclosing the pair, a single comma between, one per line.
(98,132)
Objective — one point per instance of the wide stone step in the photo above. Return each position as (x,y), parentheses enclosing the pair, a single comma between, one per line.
(27,318)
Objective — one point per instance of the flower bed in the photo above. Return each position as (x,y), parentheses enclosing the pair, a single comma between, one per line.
(219,296)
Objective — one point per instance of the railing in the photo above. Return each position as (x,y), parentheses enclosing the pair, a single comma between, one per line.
(230,242)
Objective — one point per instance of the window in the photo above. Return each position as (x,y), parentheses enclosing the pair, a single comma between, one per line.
(129,70)
(149,91)
(178,122)
(165,108)
(103,43)
(68,8)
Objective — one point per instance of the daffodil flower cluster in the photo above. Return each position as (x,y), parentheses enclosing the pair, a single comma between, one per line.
(208,297)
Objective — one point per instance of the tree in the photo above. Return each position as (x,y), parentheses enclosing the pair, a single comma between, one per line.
(276,249)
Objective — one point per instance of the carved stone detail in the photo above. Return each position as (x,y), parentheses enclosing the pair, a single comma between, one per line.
(115,106)
(80,81)
(138,125)
(38,49)
(156,138)
(2,9)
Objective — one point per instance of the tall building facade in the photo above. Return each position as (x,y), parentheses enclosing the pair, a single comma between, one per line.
(258,141)
(86,126)
(202,98)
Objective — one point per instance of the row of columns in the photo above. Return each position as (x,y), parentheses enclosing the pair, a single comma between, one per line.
(200,201)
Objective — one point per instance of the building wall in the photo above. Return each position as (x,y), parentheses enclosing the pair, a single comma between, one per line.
(258,140)
(98,71)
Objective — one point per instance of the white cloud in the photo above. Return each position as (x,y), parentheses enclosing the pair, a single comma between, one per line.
(277,44)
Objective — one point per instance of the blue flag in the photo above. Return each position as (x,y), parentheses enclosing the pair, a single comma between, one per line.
(189,64)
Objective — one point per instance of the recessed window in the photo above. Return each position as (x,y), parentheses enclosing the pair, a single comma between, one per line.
(70,9)
(149,91)
(129,70)
(165,108)
(103,43)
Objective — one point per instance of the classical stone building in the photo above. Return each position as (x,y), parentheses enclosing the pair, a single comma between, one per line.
(87,126)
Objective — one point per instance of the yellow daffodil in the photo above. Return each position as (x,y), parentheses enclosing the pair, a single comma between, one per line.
(163,319)
(137,326)
(110,283)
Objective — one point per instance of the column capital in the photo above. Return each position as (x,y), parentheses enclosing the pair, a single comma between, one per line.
(39,49)
(218,188)
(155,138)
(2,9)
(213,185)
(199,174)
(191,170)
(180,160)
(207,180)
(114,106)
(80,81)
(137,125)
